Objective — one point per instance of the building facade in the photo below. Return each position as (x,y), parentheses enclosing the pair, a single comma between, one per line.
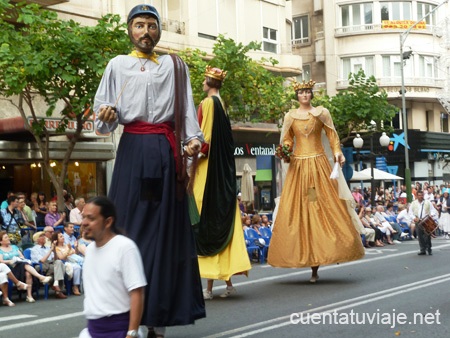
(345,36)
(185,24)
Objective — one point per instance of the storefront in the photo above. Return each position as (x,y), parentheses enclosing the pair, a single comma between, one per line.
(21,166)
(255,146)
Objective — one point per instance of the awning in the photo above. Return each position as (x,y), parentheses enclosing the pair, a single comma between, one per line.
(15,151)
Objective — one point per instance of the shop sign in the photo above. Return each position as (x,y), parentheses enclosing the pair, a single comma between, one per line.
(251,150)
(52,124)
(402,24)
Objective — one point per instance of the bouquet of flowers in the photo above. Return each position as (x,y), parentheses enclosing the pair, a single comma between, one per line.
(283,152)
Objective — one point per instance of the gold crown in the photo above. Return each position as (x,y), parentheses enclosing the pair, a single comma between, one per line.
(215,73)
(303,85)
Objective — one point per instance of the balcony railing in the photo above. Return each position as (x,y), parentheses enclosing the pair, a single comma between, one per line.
(374,28)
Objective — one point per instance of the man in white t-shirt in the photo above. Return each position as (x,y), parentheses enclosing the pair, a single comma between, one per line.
(113,275)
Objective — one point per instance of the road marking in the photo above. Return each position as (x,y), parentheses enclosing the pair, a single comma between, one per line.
(39,321)
(5,319)
(341,305)
(330,267)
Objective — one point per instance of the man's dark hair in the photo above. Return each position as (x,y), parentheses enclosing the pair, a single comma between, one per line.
(107,209)
(11,199)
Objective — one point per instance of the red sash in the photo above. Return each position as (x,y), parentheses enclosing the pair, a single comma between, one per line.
(166,128)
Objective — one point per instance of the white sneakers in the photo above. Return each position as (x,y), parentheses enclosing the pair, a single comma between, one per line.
(447,236)
(230,290)
(207,295)
(396,241)
(404,234)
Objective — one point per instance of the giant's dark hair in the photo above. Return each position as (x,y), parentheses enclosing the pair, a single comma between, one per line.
(304,90)
(213,83)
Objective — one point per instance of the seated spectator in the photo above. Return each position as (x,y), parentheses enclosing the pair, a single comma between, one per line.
(5,203)
(48,232)
(73,262)
(26,211)
(41,209)
(403,218)
(367,230)
(444,206)
(50,267)
(384,225)
(246,222)
(82,242)
(369,219)
(69,234)
(12,219)
(21,268)
(256,219)
(265,222)
(26,223)
(5,273)
(68,206)
(53,217)
(75,213)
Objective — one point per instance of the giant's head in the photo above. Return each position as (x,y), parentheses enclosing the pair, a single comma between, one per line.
(144,23)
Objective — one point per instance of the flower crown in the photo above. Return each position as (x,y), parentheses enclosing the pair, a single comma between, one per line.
(215,73)
(303,85)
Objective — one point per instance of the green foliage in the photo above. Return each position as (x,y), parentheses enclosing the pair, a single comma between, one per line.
(59,60)
(252,92)
(352,109)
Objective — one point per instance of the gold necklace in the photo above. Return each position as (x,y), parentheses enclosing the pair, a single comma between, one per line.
(307,125)
(143,64)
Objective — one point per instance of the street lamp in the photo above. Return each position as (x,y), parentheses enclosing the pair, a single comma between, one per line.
(358,143)
(405,56)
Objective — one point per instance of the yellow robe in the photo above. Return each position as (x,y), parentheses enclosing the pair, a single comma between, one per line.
(313,225)
(234,258)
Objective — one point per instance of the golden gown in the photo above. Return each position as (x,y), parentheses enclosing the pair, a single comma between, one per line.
(313,225)
(233,259)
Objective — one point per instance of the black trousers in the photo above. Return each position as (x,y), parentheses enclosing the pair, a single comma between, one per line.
(424,239)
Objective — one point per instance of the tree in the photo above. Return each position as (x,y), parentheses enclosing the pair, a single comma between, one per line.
(58,61)
(252,92)
(352,109)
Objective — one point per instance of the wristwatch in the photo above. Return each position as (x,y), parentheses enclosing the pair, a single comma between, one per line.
(132,333)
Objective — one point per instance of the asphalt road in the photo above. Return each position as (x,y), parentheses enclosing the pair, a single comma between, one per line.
(391,292)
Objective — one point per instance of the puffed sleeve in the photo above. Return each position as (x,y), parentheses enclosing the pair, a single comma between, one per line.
(106,96)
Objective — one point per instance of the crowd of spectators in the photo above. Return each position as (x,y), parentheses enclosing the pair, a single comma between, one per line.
(52,240)
(389,214)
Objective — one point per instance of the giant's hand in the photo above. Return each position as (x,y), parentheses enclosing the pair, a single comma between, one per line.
(107,114)
(193,147)
(340,159)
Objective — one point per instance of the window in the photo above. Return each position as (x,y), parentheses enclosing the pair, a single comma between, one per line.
(426,67)
(357,16)
(392,66)
(444,122)
(423,9)
(353,65)
(306,72)
(301,30)
(270,42)
(400,10)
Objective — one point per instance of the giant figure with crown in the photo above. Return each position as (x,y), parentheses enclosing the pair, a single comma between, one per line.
(315,223)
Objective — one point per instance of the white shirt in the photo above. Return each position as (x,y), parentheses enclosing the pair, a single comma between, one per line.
(109,274)
(147,96)
(403,217)
(75,216)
